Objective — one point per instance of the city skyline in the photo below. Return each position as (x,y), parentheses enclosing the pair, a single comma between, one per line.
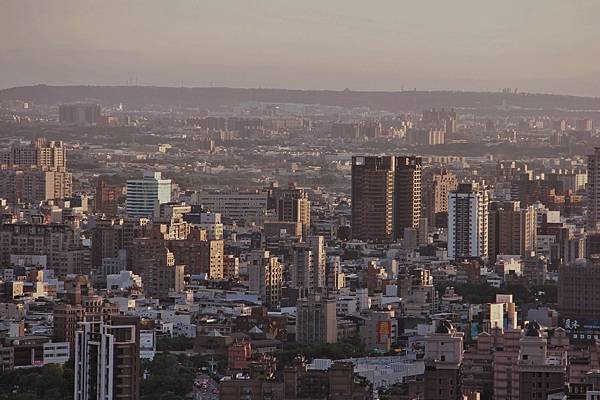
(291,200)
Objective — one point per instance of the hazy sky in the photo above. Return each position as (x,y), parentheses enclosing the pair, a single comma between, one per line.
(534,45)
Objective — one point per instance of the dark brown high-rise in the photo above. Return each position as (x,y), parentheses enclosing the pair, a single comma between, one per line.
(373,198)
(386,197)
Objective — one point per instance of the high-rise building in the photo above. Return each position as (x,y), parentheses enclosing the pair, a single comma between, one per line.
(107,359)
(512,230)
(373,198)
(35,172)
(46,155)
(106,198)
(265,275)
(407,193)
(144,196)
(435,195)
(335,278)
(79,114)
(199,255)
(59,243)
(386,197)
(159,280)
(34,185)
(211,222)
(593,192)
(293,206)
(80,304)
(301,273)
(309,263)
(425,137)
(468,222)
(345,130)
(317,245)
(578,299)
(585,125)
(316,319)
(445,119)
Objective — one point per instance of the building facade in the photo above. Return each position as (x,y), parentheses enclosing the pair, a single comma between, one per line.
(107,359)
(373,198)
(145,195)
(468,222)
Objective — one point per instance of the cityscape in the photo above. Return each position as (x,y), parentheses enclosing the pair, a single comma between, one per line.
(197,241)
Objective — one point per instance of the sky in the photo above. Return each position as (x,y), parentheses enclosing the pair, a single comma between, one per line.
(543,46)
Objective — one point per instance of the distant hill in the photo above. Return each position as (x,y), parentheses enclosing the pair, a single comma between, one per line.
(210,98)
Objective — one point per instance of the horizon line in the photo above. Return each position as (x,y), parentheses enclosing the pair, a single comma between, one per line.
(345,90)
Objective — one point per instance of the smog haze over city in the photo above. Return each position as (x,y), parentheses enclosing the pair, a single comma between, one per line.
(541,46)
(299,200)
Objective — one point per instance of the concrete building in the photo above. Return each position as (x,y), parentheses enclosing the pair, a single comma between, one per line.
(468,222)
(540,372)
(145,195)
(407,194)
(316,319)
(106,199)
(237,206)
(199,255)
(443,360)
(338,382)
(578,300)
(160,280)
(79,114)
(425,137)
(379,331)
(512,230)
(593,190)
(265,274)
(31,351)
(211,222)
(107,359)
(373,198)
(309,261)
(46,155)
(334,278)
(293,206)
(435,195)
(34,185)
(60,243)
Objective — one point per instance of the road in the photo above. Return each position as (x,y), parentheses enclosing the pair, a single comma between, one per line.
(205,388)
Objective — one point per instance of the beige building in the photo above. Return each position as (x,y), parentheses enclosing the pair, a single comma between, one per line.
(265,274)
(316,319)
(407,194)
(61,244)
(512,230)
(39,153)
(443,360)
(435,194)
(293,206)
(308,267)
(34,185)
